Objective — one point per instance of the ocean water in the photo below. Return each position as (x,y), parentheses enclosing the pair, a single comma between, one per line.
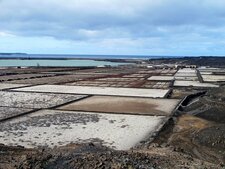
(57,63)
(100,56)
(86,60)
(84,56)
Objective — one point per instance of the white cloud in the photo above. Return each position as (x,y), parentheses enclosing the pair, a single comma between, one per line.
(138,26)
(6,34)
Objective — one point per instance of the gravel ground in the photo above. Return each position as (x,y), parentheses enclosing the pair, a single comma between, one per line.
(97,157)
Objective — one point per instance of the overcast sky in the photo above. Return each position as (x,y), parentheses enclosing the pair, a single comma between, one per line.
(130,27)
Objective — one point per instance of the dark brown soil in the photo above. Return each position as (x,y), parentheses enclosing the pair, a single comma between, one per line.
(213,137)
(210,107)
(214,114)
(200,129)
(194,136)
(96,157)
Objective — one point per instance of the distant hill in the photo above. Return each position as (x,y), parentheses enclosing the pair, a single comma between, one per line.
(13,54)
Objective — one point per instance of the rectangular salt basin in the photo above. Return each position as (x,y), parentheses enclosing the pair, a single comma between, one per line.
(186,70)
(193,83)
(213,78)
(185,75)
(209,69)
(161,78)
(8,112)
(206,73)
(9,85)
(98,90)
(128,105)
(187,78)
(35,100)
(56,128)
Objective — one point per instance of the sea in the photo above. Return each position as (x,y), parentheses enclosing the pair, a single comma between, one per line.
(53,60)
(54,63)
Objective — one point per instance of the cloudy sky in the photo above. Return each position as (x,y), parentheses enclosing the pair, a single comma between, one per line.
(127,27)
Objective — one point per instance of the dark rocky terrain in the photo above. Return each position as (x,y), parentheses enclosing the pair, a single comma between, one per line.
(199,130)
(97,156)
(199,61)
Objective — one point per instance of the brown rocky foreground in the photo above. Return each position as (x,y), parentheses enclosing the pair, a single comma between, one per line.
(96,156)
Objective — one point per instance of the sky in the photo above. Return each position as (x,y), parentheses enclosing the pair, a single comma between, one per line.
(113,27)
